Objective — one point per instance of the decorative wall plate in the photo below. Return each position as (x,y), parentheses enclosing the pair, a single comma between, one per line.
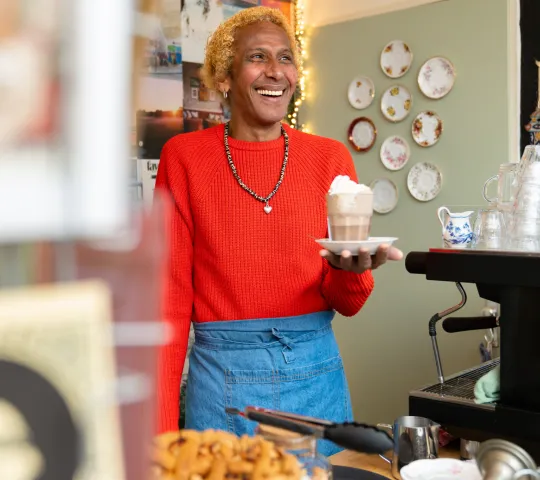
(427,128)
(424,181)
(436,77)
(362,134)
(385,195)
(361,92)
(395,152)
(396,103)
(396,59)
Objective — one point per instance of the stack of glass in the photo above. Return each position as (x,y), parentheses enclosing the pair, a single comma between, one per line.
(524,223)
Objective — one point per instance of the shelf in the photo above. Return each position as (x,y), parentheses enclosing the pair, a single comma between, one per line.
(486,267)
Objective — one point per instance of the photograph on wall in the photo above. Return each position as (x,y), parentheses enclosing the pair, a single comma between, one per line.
(163,52)
(160,112)
(147,174)
(240,4)
(199,19)
(230,10)
(231,7)
(202,106)
(196,95)
(196,120)
(286,6)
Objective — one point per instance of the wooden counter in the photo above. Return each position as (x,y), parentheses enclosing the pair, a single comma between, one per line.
(376,464)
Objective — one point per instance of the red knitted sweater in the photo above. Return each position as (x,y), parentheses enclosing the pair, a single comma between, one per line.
(228,259)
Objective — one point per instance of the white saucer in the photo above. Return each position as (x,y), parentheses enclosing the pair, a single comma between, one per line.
(441,468)
(372,244)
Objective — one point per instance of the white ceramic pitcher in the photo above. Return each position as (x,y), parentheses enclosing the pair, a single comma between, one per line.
(457,231)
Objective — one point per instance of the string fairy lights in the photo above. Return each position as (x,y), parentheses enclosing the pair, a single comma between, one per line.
(299,7)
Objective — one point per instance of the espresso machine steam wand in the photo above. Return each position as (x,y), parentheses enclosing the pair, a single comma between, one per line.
(433,330)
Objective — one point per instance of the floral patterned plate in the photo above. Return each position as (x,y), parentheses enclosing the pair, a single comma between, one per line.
(427,128)
(361,92)
(395,152)
(396,59)
(396,103)
(362,134)
(424,181)
(385,195)
(436,77)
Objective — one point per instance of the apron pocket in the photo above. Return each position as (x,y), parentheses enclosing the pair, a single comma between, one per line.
(317,390)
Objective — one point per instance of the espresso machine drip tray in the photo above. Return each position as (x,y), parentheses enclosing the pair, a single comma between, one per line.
(459,388)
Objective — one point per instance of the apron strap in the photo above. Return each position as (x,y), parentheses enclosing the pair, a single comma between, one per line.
(288,343)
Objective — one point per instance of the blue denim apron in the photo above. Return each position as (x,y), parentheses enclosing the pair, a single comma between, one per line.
(290,364)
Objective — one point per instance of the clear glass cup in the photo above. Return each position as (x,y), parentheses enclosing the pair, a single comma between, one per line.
(524,234)
(531,174)
(524,220)
(489,230)
(528,200)
(529,163)
(349,216)
(507,185)
(303,447)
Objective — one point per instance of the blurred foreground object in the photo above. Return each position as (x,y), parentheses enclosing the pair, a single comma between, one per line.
(96,346)
(80,266)
(57,368)
(66,90)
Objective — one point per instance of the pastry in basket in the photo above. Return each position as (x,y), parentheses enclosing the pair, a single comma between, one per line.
(217,455)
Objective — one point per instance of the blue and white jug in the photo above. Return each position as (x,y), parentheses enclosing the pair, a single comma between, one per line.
(457,231)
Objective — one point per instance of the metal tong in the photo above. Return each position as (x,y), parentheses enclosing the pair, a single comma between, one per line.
(352,436)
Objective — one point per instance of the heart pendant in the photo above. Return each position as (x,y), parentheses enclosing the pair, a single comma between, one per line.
(267,208)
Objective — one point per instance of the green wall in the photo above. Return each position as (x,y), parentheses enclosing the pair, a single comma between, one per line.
(386,347)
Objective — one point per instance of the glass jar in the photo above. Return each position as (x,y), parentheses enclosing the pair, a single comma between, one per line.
(303,447)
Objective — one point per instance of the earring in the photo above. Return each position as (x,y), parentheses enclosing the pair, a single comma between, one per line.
(225,94)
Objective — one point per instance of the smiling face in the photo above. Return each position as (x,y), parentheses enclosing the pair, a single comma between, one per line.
(263,77)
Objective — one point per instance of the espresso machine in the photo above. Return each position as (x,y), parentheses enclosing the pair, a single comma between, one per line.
(511,279)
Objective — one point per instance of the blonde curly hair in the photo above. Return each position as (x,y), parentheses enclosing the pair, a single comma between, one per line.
(220,47)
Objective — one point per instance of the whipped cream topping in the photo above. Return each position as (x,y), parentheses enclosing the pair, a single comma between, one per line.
(343,184)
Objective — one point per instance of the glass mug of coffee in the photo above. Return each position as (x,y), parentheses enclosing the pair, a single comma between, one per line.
(350,208)
(349,216)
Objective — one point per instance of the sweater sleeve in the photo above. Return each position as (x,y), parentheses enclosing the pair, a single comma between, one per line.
(177,304)
(346,292)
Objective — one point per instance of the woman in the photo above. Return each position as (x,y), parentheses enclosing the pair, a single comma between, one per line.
(249,200)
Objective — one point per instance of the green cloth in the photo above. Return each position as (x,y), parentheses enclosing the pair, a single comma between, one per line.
(488,387)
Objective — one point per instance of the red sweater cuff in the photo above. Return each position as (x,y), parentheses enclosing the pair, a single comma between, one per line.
(347,292)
